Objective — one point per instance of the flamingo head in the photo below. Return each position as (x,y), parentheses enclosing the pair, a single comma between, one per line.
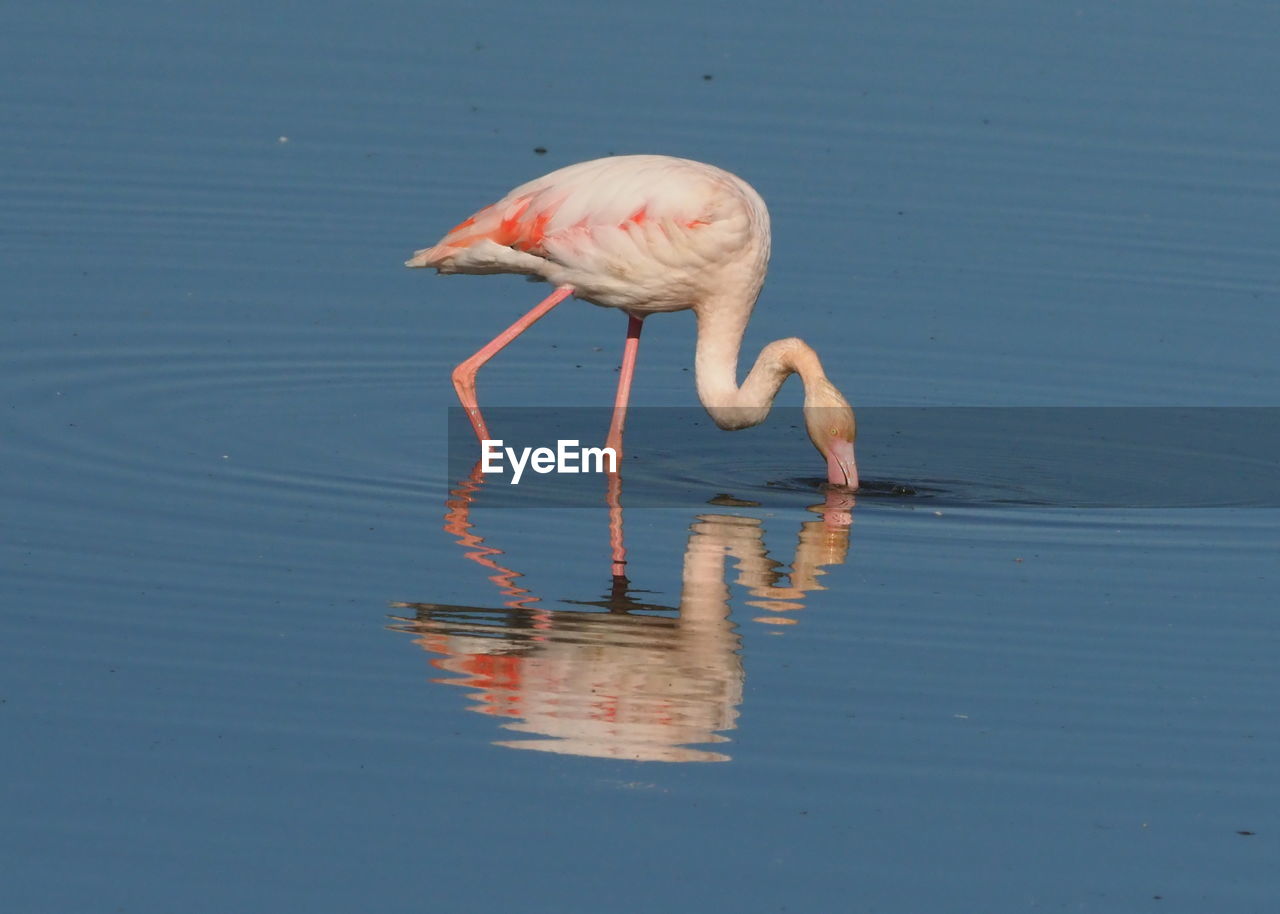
(832,429)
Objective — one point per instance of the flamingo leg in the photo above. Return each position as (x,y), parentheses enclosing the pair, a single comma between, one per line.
(629,351)
(613,495)
(464,376)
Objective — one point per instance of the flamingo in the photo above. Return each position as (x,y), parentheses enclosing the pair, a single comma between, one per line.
(644,234)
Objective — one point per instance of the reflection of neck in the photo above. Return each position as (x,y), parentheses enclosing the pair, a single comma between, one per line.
(715,536)
(720,331)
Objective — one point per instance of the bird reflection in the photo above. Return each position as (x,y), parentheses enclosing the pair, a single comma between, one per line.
(621,676)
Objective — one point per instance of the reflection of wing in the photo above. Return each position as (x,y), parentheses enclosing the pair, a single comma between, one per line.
(601,684)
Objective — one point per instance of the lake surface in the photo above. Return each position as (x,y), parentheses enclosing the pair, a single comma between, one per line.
(264,648)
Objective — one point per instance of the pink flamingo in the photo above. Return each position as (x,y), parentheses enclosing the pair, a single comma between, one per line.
(644,234)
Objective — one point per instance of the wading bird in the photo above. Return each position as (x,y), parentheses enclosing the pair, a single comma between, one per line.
(645,234)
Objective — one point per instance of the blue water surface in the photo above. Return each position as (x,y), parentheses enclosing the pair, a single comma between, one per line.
(261,649)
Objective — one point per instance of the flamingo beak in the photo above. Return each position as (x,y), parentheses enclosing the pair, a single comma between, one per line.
(842,470)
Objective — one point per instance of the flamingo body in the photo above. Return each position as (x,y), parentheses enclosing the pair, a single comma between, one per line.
(642,233)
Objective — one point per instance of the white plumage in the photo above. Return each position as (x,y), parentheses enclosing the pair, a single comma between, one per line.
(643,233)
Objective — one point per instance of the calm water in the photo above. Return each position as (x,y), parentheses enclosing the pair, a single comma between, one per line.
(264,650)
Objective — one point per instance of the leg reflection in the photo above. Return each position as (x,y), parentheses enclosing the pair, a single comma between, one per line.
(457,522)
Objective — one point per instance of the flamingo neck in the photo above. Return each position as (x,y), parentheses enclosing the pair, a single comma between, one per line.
(720,331)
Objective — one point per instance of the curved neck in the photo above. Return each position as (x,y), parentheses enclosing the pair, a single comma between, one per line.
(720,330)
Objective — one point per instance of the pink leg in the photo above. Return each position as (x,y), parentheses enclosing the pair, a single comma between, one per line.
(614,493)
(624,386)
(464,376)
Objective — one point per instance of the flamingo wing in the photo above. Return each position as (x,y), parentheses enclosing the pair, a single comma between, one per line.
(605,217)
